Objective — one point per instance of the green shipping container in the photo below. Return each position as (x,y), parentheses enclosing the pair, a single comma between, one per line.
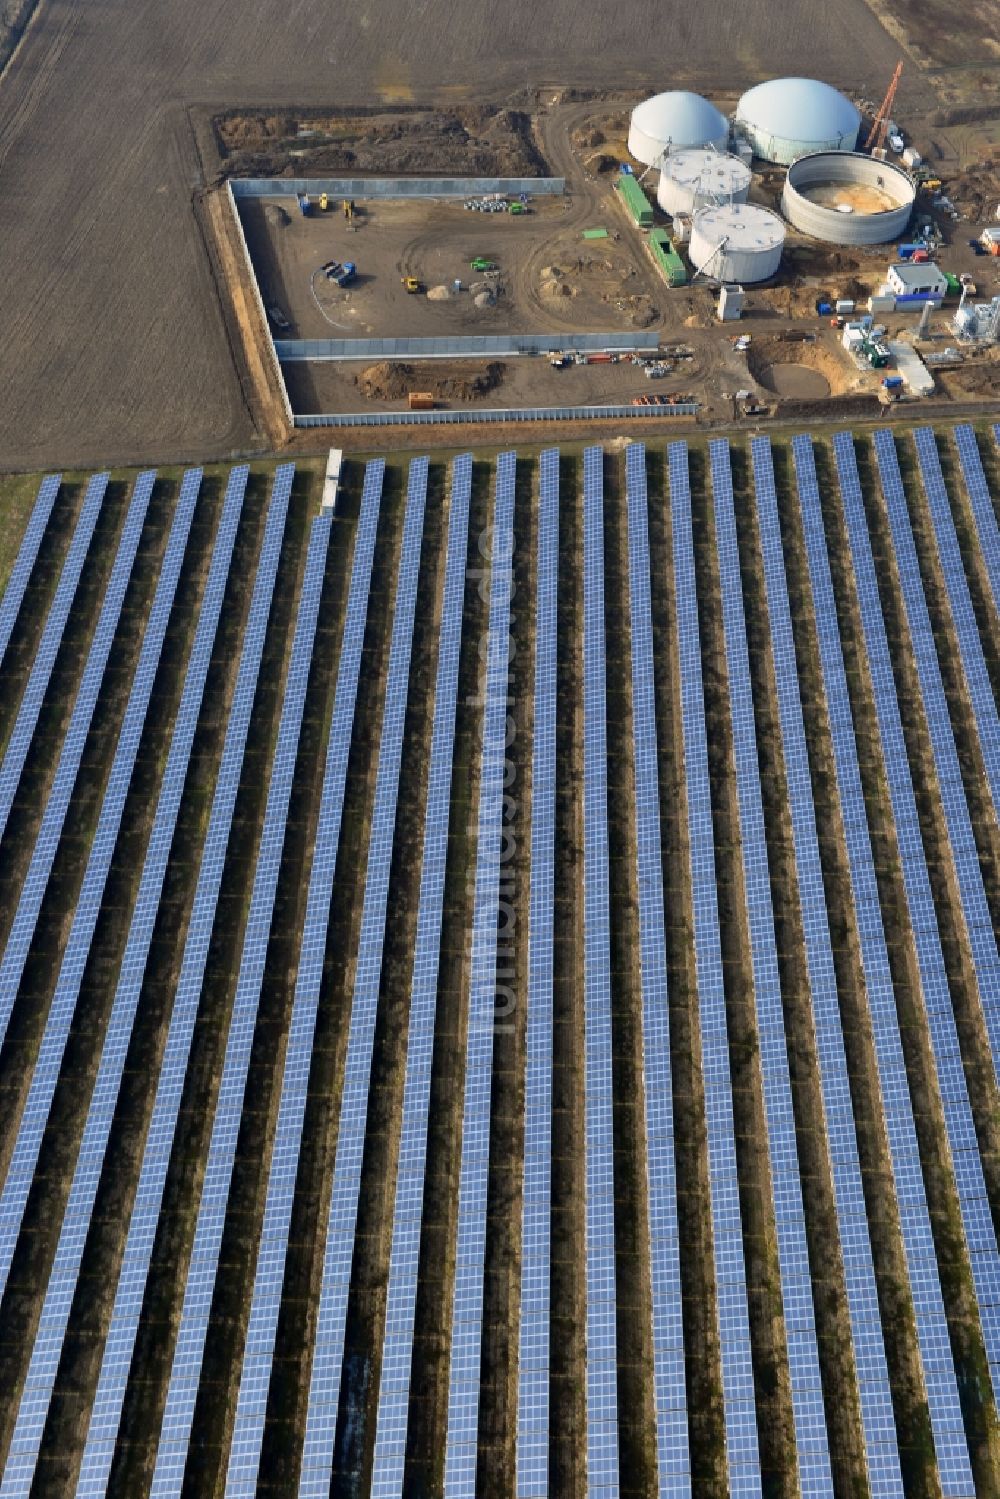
(635,201)
(667,259)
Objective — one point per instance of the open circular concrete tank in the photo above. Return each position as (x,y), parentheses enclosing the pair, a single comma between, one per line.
(846,198)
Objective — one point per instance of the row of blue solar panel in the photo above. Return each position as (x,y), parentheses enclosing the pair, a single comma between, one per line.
(970,645)
(987,530)
(119,1345)
(535,1328)
(185,1375)
(740,1413)
(401,1294)
(601,1316)
(331,1318)
(812,1440)
(965,1159)
(940,1380)
(961,837)
(54,816)
(875,1395)
(36,1396)
(27,555)
(673,1460)
(44,661)
(462,1442)
(59,1019)
(258,1353)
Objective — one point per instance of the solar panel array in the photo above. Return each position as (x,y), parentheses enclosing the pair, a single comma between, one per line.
(966,1163)
(470,1250)
(536,1218)
(30,705)
(970,645)
(968,870)
(401,1294)
(602,1303)
(392,1434)
(37,1393)
(20,1172)
(120,1342)
(742,1452)
(24,562)
(673,1459)
(43,854)
(331,1320)
(811,1437)
(983,513)
(881,1450)
(258,1354)
(939,1372)
(203,1269)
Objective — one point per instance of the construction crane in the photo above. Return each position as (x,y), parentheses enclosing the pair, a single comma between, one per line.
(880,124)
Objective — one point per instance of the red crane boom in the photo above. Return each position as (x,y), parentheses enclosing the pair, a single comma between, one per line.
(880,124)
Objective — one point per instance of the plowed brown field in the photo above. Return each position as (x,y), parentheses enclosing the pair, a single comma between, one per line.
(114,344)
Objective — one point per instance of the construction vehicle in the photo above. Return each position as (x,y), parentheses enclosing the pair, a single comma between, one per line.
(482,263)
(413,285)
(324,202)
(278,318)
(883,116)
(349,210)
(342,274)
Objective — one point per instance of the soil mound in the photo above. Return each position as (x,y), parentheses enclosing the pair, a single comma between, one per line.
(390,380)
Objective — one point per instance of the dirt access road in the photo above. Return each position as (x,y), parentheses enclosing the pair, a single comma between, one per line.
(114,347)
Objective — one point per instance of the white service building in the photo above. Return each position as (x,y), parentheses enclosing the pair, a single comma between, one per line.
(921,280)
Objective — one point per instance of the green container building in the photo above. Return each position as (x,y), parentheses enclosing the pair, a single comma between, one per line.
(670,265)
(635,200)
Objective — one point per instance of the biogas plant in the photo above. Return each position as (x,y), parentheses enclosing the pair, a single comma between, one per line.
(832,192)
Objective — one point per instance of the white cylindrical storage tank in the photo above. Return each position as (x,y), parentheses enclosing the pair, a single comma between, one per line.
(672,122)
(786,118)
(695,179)
(737,242)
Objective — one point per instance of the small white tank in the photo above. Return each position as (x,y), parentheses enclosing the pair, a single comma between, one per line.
(695,179)
(738,242)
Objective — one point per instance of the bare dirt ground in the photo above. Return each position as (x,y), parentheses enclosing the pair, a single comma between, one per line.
(524,382)
(115,346)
